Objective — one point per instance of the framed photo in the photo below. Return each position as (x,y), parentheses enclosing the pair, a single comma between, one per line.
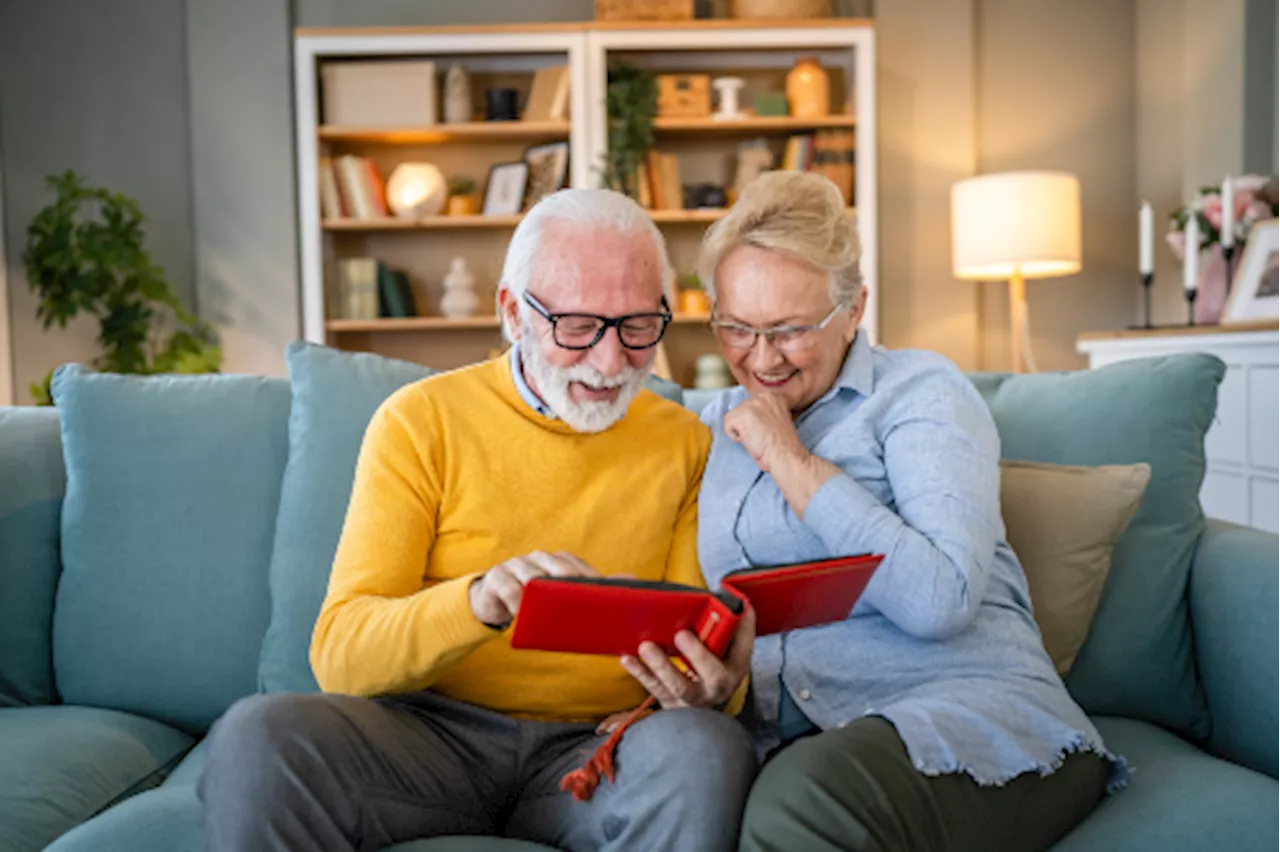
(504,190)
(548,168)
(1254,291)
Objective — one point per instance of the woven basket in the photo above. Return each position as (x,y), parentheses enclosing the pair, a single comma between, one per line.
(644,10)
(792,9)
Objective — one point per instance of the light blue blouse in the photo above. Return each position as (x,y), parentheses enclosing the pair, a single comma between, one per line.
(943,643)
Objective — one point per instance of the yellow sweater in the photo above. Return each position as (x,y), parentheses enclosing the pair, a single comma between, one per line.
(457,474)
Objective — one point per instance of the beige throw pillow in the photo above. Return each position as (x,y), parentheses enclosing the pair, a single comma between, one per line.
(1063,523)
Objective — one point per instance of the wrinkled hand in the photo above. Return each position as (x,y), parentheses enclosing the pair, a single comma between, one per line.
(713,680)
(763,426)
(496,594)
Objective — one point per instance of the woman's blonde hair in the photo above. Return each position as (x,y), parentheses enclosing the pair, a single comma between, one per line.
(800,214)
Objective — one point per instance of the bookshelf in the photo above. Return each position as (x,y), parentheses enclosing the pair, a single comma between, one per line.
(509,56)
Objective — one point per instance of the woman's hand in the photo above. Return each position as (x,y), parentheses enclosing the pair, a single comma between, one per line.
(711,681)
(763,426)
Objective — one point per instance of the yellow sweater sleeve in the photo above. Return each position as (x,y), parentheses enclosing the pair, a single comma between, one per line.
(683,566)
(380,630)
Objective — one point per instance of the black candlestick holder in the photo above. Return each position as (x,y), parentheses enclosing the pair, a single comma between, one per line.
(1146,300)
(1191,307)
(1228,255)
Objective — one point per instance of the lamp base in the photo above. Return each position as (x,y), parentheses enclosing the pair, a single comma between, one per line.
(1022,360)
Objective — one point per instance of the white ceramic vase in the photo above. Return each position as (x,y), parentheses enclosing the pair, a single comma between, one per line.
(457,95)
(460,299)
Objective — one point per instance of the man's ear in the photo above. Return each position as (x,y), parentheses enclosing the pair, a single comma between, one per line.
(509,312)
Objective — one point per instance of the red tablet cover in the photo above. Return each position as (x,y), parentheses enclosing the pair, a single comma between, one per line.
(613,616)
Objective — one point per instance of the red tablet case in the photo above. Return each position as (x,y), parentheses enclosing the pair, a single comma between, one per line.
(613,616)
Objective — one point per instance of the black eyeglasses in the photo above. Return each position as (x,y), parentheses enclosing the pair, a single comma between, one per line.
(582,331)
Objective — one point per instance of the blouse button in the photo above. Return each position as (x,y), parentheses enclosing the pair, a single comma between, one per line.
(804,695)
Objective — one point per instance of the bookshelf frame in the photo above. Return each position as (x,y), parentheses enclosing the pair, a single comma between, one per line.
(587,48)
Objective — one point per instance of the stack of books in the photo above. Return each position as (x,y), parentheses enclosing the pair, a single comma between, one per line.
(351,188)
(829,153)
(368,289)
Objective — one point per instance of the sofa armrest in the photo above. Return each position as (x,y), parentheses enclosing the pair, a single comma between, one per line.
(1233,614)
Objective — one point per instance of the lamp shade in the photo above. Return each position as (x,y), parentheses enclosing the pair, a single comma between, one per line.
(1026,222)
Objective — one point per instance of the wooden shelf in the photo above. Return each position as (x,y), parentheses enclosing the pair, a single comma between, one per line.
(446,324)
(474,131)
(677,217)
(752,124)
(423,224)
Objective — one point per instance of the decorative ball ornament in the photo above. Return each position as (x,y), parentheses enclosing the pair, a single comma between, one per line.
(416,189)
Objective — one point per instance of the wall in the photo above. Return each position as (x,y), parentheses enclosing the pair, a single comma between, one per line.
(1206,107)
(99,88)
(1054,93)
(241,112)
(926,94)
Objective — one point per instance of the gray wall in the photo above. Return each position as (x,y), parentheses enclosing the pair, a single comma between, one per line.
(99,87)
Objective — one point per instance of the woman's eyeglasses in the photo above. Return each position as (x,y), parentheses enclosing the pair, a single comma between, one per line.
(582,331)
(785,338)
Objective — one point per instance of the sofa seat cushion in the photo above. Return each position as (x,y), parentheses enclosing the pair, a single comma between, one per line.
(468,844)
(1178,798)
(188,772)
(170,819)
(173,483)
(60,765)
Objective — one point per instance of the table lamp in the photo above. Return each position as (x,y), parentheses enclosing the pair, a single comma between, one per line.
(1016,225)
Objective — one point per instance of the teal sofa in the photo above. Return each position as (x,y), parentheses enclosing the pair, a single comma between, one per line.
(164,544)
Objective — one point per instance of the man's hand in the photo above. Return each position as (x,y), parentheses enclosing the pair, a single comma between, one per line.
(714,680)
(496,594)
(764,427)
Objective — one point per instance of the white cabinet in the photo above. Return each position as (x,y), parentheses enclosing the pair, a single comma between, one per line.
(1242,449)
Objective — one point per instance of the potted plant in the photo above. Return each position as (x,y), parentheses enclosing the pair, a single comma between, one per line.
(462,201)
(85,253)
(693,299)
(632,103)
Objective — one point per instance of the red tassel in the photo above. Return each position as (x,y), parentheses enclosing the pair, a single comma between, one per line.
(582,782)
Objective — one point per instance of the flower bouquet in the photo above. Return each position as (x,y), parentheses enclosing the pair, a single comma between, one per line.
(1254,197)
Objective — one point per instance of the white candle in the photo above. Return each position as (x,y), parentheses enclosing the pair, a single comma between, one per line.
(1146,228)
(1191,253)
(1227,236)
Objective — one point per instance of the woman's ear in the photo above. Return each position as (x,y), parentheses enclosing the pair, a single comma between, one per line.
(856,310)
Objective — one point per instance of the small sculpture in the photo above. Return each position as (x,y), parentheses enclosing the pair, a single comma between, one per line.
(460,299)
(457,95)
(728,88)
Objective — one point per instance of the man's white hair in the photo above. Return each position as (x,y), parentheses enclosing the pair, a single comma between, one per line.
(597,208)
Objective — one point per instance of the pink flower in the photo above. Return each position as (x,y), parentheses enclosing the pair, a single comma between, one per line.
(1213,210)
(1176,241)
(1248,183)
(1254,210)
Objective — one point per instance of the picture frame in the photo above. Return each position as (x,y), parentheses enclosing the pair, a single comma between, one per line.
(548,169)
(505,188)
(1254,294)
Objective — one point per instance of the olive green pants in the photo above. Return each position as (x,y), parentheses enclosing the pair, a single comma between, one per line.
(855,790)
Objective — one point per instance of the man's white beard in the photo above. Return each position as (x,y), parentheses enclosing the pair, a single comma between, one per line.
(553,386)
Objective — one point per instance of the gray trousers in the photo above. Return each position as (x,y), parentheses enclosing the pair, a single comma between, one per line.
(334,772)
(854,789)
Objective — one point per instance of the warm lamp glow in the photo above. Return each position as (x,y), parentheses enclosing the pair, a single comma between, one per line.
(416,189)
(1016,222)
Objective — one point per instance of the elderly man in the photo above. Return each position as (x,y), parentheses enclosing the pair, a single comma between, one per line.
(550,461)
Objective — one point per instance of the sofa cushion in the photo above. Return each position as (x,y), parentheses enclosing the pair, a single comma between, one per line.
(1137,660)
(1063,522)
(30,506)
(170,819)
(60,765)
(335,394)
(1178,799)
(172,488)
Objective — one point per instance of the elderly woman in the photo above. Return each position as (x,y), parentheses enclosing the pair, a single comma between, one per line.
(931,718)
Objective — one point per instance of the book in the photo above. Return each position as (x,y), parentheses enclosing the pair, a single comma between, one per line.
(614,615)
(358,288)
(395,297)
(549,96)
